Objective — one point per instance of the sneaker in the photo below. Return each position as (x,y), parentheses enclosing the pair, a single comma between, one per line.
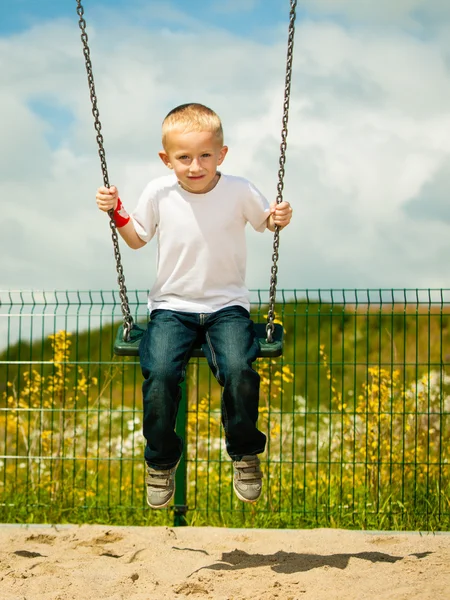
(247,481)
(160,486)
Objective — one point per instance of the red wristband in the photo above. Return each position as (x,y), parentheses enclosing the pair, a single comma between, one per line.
(120,216)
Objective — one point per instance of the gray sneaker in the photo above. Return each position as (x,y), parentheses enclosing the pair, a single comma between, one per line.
(247,481)
(160,486)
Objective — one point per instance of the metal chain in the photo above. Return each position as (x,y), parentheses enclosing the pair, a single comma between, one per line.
(124,305)
(270,327)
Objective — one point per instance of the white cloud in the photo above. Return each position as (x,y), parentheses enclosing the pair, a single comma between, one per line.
(382,11)
(368,131)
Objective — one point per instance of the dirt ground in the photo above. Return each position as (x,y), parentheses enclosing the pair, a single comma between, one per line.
(136,563)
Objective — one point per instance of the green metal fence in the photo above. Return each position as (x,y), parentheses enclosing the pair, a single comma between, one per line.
(356,413)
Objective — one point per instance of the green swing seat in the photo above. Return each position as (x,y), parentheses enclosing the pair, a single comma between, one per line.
(266,349)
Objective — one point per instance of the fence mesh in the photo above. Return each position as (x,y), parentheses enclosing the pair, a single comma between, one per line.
(356,413)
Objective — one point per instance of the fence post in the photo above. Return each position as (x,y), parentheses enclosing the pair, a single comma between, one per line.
(180,505)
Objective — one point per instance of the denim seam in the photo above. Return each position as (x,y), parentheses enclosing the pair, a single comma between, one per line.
(213,356)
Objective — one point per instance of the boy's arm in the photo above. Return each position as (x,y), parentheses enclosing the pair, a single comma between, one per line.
(280,214)
(129,235)
(108,199)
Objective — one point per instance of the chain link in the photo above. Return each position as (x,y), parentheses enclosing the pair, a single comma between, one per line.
(124,305)
(270,327)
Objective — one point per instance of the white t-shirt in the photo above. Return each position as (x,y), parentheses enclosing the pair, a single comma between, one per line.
(201,254)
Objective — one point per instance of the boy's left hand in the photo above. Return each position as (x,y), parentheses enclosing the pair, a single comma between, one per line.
(280,214)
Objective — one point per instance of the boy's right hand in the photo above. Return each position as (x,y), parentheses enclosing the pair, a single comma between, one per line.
(107,198)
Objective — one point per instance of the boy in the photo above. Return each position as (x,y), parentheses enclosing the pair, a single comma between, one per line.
(198,215)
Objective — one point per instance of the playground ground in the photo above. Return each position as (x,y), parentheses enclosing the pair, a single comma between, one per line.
(91,562)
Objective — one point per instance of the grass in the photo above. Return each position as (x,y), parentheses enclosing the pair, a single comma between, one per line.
(357,449)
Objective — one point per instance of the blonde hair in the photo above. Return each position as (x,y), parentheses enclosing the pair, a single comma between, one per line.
(192,117)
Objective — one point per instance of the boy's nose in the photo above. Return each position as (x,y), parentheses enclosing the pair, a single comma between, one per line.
(194,166)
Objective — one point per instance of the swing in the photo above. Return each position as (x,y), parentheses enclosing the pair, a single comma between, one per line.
(129,334)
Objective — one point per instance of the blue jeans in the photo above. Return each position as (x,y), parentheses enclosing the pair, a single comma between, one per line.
(230,347)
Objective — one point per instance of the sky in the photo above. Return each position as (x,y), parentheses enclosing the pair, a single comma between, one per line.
(368,157)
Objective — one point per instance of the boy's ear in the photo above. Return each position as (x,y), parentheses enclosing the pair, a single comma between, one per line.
(165,158)
(222,154)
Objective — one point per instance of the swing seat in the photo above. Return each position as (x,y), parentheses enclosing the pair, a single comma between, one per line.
(266,349)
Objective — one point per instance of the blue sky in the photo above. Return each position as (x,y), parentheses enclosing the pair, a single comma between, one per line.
(241,16)
(248,17)
(368,145)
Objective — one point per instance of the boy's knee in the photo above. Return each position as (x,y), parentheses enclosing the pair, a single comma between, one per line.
(238,370)
(161,371)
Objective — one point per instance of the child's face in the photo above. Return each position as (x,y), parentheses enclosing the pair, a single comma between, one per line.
(194,157)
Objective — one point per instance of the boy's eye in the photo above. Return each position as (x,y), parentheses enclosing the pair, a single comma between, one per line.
(206,155)
(184,157)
